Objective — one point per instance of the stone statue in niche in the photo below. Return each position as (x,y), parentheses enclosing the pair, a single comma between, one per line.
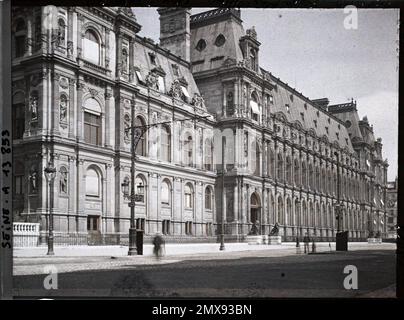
(63,108)
(245,96)
(127,125)
(33,178)
(34,107)
(63,181)
(69,47)
(124,61)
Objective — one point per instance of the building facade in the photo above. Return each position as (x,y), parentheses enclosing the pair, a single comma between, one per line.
(391,221)
(78,71)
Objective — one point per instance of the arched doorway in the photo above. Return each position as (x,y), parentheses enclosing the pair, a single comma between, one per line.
(255,208)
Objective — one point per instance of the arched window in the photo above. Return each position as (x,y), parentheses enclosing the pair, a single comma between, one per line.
(188,150)
(330,218)
(279,173)
(322,216)
(63,182)
(311,176)
(298,218)
(335,184)
(165,193)
(329,184)
(165,143)
(91,47)
(271,218)
(189,203)
(318,179)
(280,211)
(19,178)
(208,154)
(93,188)
(323,181)
(18,115)
(305,216)
(255,157)
(304,174)
(20,37)
(296,173)
(61,33)
(288,219)
(92,122)
(141,146)
(271,162)
(288,170)
(311,215)
(208,198)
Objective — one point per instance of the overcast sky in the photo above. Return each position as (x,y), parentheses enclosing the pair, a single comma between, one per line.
(312,51)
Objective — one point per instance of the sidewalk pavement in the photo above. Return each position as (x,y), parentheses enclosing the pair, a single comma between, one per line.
(174,249)
(78,258)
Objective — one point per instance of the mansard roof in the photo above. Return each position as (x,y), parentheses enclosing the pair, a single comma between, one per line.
(309,115)
(165,64)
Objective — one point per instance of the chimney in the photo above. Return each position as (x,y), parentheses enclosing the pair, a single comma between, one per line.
(322,103)
(175,33)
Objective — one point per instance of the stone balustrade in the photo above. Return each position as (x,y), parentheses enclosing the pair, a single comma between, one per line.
(25,234)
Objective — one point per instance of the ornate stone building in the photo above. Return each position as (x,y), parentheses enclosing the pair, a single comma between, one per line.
(391,221)
(76,73)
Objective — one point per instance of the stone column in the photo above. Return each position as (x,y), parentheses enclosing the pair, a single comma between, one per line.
(81,198)
(29,39)
(55,101)
(105,200)
(80,35)
(70,33)
(79,111)
(131,59)
(107,47)
(72,187)
(247,214)
(72,107)
(108,111)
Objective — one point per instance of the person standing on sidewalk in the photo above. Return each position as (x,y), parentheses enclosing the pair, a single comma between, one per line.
(158,243)
(306,241)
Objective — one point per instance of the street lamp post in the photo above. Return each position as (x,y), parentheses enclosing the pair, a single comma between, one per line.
(132,229)
(222,247)
(341,237)
(50,174)
(136,134)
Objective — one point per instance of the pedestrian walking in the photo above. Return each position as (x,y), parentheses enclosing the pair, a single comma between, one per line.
(306,241)
(158,243)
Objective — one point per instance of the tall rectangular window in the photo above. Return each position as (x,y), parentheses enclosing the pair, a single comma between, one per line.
(92,128)
(165,144)
(18,120)
(93,223)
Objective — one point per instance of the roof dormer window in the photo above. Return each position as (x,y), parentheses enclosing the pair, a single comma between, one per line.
(220,40)
(152,57)
(201,45)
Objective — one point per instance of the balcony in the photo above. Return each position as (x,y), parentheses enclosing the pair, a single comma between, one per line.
(94,67)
